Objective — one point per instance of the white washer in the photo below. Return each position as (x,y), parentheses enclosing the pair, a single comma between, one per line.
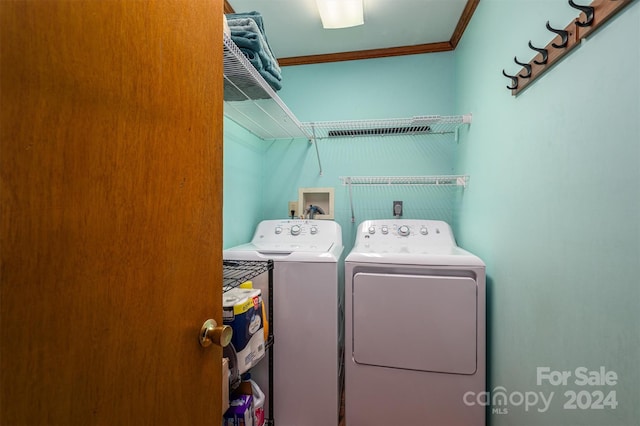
(415,327)
(306,317)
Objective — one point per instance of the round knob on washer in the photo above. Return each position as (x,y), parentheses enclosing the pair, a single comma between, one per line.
(372,229)
(403,230)
(295,230)
(385,230)
(314,229)
(424,231)
(278,230)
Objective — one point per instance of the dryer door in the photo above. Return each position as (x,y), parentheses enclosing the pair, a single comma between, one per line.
(415,322)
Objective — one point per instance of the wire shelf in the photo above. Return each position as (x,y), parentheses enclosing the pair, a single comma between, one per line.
(252,103)
(235,272)
(419,125)
(447,180)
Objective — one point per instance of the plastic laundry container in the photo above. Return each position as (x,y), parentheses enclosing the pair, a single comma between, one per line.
(258,404)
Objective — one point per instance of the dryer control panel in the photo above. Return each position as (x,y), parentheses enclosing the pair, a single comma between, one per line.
(405,234)
(408,241)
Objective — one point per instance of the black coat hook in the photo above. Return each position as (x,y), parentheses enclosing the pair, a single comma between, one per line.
(564,34)
(527,68)
(514,80)
(588,11)
(543,52)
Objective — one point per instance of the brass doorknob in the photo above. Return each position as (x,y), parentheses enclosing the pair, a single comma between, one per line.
(211,333)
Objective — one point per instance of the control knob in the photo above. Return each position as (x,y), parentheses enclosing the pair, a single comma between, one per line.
(314,230)
(295,230)
(403,230)
(372,230)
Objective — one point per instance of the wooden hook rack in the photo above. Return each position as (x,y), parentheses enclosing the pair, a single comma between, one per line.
(591,17)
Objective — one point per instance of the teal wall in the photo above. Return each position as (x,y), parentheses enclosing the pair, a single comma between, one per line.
(395,87)
(261,177)
(243,203)
(398,87)
(553,202)
(553,205)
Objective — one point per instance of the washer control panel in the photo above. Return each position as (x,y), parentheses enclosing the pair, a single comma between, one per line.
(405,232)
(297,231)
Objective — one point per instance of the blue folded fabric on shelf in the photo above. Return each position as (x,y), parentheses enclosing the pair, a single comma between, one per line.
(246,39)
(254,59)
(245,21)
(256,16)
(247,32)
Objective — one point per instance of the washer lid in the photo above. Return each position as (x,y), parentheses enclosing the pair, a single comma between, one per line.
(290,247)
(302,252)
(292,241)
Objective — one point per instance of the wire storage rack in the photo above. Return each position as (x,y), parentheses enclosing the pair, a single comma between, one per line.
(236,272)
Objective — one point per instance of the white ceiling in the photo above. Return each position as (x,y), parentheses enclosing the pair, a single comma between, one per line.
(293,27)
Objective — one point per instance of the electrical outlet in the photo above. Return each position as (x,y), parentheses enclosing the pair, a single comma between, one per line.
(397,208)
(293,206)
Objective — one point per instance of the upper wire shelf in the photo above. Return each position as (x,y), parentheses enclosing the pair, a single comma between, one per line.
(419,125)
(446,180)
(252,103)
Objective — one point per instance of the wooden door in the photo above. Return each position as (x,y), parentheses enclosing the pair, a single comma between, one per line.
(111,167)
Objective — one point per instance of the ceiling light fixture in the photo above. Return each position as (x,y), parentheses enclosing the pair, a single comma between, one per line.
(340,13)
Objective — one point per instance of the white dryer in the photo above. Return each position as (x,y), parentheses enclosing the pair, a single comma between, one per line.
(415,327)
(306,318)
